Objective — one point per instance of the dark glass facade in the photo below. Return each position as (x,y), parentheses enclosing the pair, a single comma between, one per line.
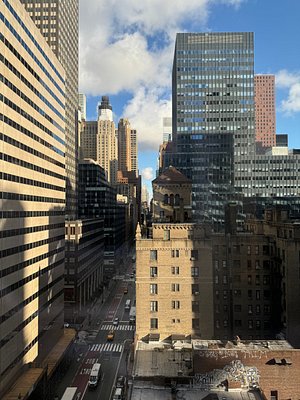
(213,116)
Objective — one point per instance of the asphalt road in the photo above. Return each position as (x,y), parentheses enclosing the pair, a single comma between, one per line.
(93,345)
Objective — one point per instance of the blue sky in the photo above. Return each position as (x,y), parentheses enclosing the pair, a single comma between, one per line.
(126,52)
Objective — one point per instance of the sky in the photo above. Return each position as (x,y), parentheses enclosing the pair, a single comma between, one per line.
(127,48)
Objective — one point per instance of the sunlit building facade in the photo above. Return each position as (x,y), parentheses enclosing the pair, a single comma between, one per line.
(32,187)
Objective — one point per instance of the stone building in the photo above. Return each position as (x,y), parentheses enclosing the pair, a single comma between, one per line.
(172,197)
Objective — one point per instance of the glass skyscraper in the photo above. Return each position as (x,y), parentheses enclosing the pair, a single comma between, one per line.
(213,116)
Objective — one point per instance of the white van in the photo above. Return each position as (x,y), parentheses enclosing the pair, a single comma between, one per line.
(127,304)
(95,375)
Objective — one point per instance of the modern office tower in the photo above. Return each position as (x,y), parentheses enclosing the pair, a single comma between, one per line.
(167,129)
(98,199)
(82,105)
(127,147)
(32,187)
(58,23)
(265,117)
(213,115)
(88,139)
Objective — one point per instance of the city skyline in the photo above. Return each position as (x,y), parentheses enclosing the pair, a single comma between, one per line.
(153,40)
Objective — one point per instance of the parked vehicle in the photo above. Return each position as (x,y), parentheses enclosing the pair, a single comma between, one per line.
(121,382)
(132,315)
(127,304)
(118,395)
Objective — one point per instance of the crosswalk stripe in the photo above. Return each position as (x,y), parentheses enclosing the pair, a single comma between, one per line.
(102,347)
(117,328)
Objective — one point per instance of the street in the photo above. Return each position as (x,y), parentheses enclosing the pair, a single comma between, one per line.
(92,345)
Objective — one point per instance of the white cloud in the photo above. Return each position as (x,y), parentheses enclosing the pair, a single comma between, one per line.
(146,111)
(147,173)
(128,45)
(291,82)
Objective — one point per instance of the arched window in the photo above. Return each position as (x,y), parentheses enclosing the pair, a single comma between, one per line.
(166,199)
(177,199)
(171,199)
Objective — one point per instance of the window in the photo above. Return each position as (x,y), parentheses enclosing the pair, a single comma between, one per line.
(237,292)
(153,271)
(175,253)
(250,324)
(194,255)
(175,270)
(153,288)
(237,322)
(256,249)
(153,323)
(225,294)
(166,199)
(258,324)
(257,309)
(175,287)
(267,294)
(225,279)
(153,306)
(248,250)
(216,279)
(195,323)
(217,324)
(217,264)
(224,263)
(225,308)
(237,264)
(267,309)
(175,304)
(257,280)
(257,294)
(257,265)
(250,309)
(237,308)
(237,278)
(249,266)
(195,271)
(249,294)
(249,279)
(195,306)
(166,234)
(266,280)
(195,288)
(153,254)
(225,323)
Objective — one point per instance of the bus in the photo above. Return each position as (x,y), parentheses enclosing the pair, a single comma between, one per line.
(70,393)
(127,305)
(95,375)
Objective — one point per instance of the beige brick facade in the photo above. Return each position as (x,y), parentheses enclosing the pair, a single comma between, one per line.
(174,282)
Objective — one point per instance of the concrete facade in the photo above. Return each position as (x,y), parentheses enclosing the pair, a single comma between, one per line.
(58,22)
(32,187)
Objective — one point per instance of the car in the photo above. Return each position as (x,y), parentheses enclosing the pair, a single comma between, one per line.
(125,290)
(121,382)
(111,335)
(116,321)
